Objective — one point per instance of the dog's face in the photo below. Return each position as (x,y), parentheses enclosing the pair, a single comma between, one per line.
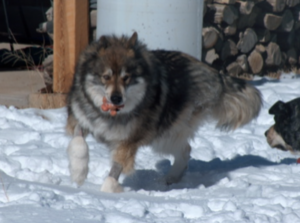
(285,133)
(116,74)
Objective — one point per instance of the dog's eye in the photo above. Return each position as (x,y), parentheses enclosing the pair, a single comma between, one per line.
(106,77)
(125,78)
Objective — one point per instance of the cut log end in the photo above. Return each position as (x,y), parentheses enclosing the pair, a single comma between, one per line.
(256,62)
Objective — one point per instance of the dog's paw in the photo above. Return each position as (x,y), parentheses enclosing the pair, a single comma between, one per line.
(171,180)
(78,153)
(111,185)
(173,177)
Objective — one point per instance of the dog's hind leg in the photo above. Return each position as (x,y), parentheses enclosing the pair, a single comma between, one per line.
(182,156)
(123,161)
(78,153)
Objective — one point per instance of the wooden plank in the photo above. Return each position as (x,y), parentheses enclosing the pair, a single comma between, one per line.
(16,86)
(70,38)
(47,101)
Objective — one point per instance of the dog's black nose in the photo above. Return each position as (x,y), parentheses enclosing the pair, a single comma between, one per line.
(266,133)
(116,99)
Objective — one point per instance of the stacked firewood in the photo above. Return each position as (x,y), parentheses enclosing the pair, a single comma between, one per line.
(251,37)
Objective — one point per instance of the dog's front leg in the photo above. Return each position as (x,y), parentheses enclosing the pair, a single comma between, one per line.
(123,161)
(78,153)
(110,184)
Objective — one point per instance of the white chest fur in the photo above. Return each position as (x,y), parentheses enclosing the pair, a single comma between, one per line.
(116,132)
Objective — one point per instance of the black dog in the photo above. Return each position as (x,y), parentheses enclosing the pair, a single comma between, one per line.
(285,133)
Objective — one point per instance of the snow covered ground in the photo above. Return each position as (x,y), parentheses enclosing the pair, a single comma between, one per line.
(232,177)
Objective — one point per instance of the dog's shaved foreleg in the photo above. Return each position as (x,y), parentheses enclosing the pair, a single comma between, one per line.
(123,161)
(78,153)
(180,164)
(78,131)
(111,184)
(125,156)
(115,171)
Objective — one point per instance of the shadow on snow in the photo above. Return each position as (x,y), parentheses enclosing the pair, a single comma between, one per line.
(198,173)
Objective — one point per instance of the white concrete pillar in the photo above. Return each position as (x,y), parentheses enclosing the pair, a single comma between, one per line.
(161,24)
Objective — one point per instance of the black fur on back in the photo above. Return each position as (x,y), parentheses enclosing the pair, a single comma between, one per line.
(174,76)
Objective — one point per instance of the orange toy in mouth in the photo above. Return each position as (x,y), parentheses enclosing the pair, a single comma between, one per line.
(110,107)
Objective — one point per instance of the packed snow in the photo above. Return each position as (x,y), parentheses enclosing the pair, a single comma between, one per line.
(231,177)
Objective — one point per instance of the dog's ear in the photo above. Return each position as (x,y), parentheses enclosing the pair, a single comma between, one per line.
(103,41)
(278,106)
(294,105)
(132,40)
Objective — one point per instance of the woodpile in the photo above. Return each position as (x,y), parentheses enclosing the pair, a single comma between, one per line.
(246,37)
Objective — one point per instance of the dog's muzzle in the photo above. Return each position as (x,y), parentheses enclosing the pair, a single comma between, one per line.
(116,99)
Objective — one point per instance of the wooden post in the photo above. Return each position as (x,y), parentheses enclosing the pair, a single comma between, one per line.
(70,38)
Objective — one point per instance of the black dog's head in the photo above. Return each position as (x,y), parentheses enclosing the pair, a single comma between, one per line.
(285,133)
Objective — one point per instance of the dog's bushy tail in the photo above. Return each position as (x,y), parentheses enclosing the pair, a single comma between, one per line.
(238,104)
